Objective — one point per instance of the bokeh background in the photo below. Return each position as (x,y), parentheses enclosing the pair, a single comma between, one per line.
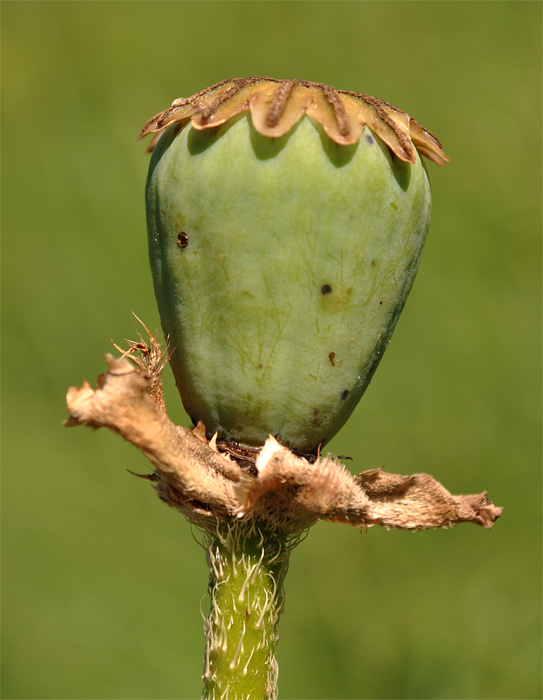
(101,583)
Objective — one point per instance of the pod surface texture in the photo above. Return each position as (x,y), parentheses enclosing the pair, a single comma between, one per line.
(280,267)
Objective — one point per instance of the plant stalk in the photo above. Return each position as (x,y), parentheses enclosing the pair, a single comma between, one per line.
(247,568)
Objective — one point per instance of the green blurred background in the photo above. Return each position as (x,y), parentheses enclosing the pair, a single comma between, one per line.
(101,583)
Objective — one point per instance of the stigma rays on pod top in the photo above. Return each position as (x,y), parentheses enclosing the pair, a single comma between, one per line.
(286,221)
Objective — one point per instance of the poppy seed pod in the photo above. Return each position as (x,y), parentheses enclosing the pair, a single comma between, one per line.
(286,222)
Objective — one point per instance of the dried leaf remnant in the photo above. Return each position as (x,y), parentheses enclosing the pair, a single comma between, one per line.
(284,493)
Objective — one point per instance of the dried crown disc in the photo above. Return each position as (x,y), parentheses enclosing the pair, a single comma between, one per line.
(276,105)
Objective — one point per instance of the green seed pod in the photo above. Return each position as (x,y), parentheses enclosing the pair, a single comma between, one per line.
(286,222)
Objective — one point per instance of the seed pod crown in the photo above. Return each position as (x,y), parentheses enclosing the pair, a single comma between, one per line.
(277,105)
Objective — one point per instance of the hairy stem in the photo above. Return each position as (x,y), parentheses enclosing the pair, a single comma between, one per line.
(247,569)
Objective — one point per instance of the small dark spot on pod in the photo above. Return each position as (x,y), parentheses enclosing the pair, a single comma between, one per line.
(373,263)
(380,303)
(344,394)
(315,417)
(331,357)
(369,138)
(182,239)
(326,289)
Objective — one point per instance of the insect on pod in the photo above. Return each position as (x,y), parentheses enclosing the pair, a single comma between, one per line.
(286,221)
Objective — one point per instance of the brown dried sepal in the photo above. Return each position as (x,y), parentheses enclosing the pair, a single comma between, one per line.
(189,475)
(276,105)
(290,487)
(149,357)
(420,502)
(284,492)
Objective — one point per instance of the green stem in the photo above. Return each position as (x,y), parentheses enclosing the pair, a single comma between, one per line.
(247,569)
